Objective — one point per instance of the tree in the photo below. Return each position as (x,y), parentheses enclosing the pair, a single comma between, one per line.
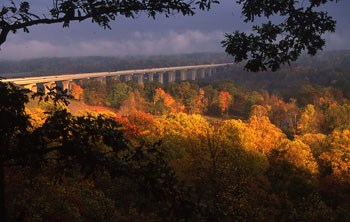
(269,46)
(164,103)
(119,93)
(82,147)
(95,93)
(14,123)
(299,154)
(201,103)
(134,102)
(309,121)
(225,100)
(256,135)
(76,91)
(337,156)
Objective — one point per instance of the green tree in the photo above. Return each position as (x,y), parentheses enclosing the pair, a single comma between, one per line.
(185,93)
(210,95)
(119,92)
(95,93)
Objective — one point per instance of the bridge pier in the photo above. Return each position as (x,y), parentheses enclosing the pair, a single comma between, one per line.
(150,77)
(111,78)
(116,77)
(140,79)
(171,76)
(202,73)
(193,74)
(128,77)
(46,86)
(66,85)
(183,75)
(160,77)
(100,79)
(209,70)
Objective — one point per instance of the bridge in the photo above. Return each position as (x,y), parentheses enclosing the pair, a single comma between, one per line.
(162,75)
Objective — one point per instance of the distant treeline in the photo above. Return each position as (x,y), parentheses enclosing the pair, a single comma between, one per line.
(327,69)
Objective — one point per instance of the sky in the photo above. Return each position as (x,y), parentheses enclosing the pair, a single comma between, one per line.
(202,32)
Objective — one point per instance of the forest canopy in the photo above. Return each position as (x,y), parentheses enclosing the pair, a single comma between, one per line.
(188,151)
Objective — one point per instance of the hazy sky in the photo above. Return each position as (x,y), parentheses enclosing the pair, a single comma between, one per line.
(200,33)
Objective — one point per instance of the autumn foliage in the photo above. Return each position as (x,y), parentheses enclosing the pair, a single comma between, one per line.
(165,103)
(225,100)
(137,124)
(268,159)
(76,91)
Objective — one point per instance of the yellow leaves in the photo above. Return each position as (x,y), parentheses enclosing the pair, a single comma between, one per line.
(251,140)
(76,91)
(258,134)
(309,121)
(37,116)
(181,125)
(259,111)
(340,139)
(266,135)
(239,143)
(315,141)
(234,133)
(337,157)
(185,137)
(299,154)
(95,113)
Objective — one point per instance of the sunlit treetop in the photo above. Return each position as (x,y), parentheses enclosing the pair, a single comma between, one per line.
(300,28)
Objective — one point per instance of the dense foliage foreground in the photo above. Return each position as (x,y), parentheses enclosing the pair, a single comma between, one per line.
(175,166)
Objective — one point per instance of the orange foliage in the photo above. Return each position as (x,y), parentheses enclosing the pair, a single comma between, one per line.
(167,100)
(137,124)
(200,102)
(135,102)
(225,99)
(76,91)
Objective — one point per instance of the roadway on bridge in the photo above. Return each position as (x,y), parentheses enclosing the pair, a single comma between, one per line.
(67,77)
